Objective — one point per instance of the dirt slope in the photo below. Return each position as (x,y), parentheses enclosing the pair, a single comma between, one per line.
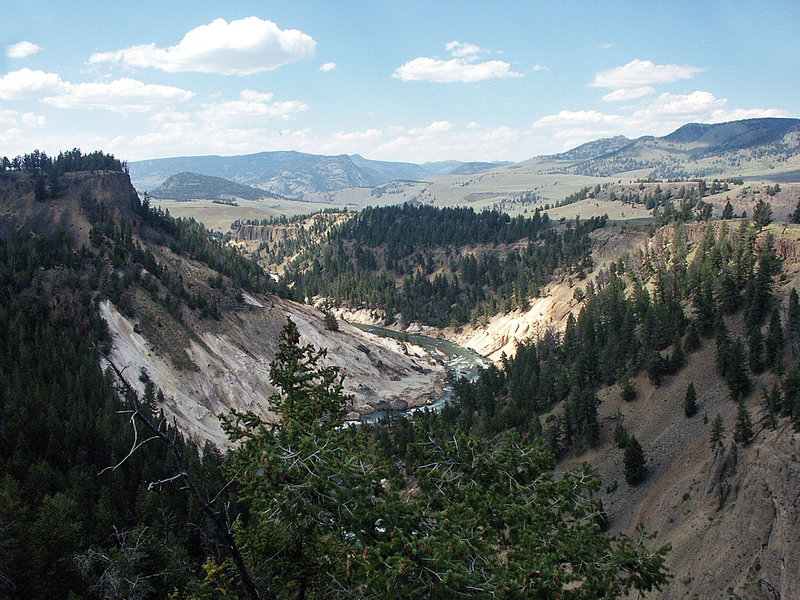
(229,366)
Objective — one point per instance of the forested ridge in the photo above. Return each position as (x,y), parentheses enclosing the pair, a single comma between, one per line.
(60,427)
(648,312)
(437,266)
(69,527)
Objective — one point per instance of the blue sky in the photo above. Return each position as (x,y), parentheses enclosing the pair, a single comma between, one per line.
(409,81)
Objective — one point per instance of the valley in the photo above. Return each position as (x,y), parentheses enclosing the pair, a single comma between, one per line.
(400,301)
(580,301)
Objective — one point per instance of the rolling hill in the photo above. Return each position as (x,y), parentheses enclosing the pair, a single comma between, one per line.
(191,186)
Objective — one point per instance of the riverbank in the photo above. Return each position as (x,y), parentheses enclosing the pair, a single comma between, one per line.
(459,362)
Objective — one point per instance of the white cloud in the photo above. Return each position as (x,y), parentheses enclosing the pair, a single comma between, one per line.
(462,68)
(241,47)
(698,103)
(340,141)
(121,95)
(720,116)
(33,120)
(445,140)
(628,93)
(245,112)
(569,118)
(254,96)
(8,117)
(453,70)
(459,49)
(14,118)
(252,108)
(639,73)
(433,128)
(540,68)
(22,49)
(25,83)
(605,46)
(170,116)
(328,66)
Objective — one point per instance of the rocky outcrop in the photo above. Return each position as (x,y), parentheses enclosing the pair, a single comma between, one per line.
(101,195)
(721,472)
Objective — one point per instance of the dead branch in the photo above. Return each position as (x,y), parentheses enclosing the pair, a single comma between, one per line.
(159,432)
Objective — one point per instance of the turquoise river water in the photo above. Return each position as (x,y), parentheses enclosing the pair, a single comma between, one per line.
(460,362)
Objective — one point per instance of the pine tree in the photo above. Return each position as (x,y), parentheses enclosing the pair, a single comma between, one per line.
(692,341)
(735,373)
(770,406)
(677,359)
(743,431)
(755,347)
(717,432)
(690,401)
(329,510)
(627,390)
(762,214)
(727,212)
(791,394)
(795,217)
(774,342)
(621,435)
(723,346)
(793,320)
(331,324)
(705,308)
(729,297)
(39,188)
(635,462)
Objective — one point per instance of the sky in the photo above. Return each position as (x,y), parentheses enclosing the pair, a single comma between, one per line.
(399,81)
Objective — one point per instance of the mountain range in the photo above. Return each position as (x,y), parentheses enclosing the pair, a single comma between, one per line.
(694,150)
(758,149)
(291,173)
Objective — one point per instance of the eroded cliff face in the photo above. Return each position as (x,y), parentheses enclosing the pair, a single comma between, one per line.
(111,194)
(230,366)
(732,521)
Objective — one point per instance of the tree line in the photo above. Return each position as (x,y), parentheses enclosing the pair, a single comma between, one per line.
(70,161)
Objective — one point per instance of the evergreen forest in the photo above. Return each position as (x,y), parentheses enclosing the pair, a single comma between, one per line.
(440,267)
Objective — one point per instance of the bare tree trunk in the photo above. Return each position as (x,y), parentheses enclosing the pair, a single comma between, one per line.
(158,432)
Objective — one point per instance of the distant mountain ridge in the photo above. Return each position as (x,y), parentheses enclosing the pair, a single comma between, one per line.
(734,135)
(290,173)
(685,151)
(749,148)
(286,173)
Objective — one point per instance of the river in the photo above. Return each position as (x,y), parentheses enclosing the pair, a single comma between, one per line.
(460,362)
